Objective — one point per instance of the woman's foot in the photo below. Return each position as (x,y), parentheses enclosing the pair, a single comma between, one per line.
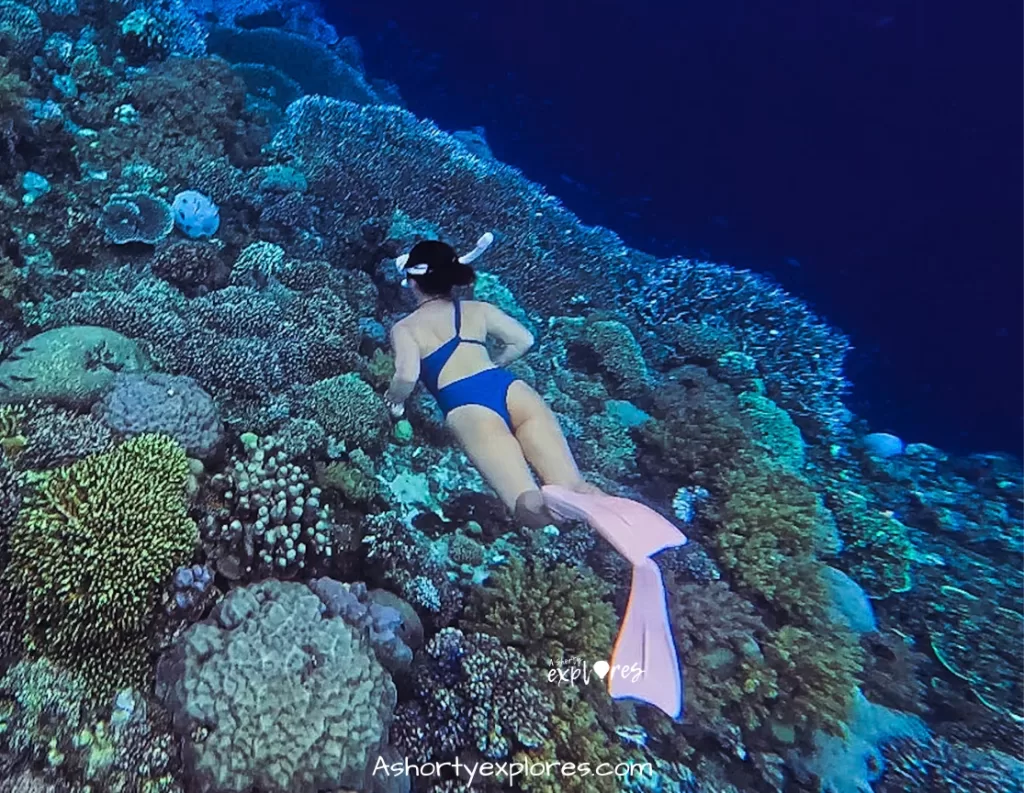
(531,512)
(586,488)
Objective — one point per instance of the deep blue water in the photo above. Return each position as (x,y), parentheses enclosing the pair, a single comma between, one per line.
(866,154)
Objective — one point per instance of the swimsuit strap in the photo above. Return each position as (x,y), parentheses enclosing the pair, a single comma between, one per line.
(458,318)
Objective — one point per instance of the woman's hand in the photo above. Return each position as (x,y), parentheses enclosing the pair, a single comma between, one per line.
(396,406)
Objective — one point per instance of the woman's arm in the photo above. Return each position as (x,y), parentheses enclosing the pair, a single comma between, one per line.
(407,367)
(517,339)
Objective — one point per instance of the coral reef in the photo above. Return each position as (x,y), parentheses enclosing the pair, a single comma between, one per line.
(269,520)
(935,765)
(70,365)
(270,693)
(90,585)
(348,408)
(550,614)
(472,694)
(171,405)
(121,746)
(200,205)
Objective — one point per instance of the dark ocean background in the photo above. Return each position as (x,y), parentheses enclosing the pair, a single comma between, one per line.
(867,155)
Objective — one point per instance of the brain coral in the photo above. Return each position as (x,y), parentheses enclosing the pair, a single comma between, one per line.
(92,545)
(270,694)
(171,404)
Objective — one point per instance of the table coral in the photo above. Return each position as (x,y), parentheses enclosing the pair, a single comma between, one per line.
(269,693)
(92,546)
(980,642)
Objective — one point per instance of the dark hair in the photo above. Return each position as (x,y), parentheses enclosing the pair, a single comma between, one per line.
(444,270)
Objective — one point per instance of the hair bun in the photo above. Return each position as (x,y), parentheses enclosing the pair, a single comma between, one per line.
(464,275)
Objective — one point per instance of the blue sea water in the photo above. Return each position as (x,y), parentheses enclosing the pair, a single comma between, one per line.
(867,156)
(242,550)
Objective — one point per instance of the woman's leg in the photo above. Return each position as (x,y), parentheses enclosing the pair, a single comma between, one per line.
(542,441)
(495,452)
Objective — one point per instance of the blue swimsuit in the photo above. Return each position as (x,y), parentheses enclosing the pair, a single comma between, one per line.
(488,388)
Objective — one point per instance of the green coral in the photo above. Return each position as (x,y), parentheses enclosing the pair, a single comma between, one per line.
(92,546)
(767,529)
(609,346)
(775,431)
(550,614)
(348,408)
(353,483)
(720,639)
(44,716)
(575,736)
(380,369)
(876,546)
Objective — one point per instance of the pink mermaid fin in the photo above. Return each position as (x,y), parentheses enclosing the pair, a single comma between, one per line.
(644,663)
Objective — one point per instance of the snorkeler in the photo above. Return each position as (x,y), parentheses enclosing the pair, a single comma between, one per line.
(503,424)
(505,427)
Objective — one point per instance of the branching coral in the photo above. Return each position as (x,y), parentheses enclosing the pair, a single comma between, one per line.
(720,640)
(766,537)
(551,614)
(93,543)
(265,517)
(472,694)
(575,737)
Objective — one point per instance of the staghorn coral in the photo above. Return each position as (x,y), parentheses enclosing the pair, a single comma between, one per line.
(90,586)
(798,355)
(472,694)
(550,614)
(268,693)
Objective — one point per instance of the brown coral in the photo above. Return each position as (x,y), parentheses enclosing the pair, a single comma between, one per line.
(551,614)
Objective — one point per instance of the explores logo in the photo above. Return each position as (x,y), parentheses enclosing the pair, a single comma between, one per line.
(572,669)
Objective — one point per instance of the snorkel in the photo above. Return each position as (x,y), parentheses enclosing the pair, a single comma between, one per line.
(482,245)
